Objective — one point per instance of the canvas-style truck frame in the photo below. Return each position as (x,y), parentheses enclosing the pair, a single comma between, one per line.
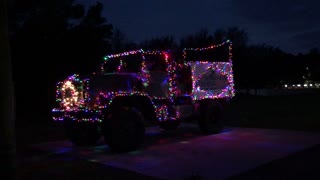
(116,104)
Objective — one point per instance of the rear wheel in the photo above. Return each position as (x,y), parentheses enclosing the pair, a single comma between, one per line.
(210,120)
(123,129)
(82,133)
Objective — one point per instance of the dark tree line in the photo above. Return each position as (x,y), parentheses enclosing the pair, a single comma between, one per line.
(55,38)
(50,40)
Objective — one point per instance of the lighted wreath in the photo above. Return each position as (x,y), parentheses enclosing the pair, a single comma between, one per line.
(69,94)
(205,80)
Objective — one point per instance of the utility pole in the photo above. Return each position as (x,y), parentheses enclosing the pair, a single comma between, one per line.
(7,118)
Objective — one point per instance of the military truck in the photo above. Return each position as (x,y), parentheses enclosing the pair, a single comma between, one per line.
(136,87)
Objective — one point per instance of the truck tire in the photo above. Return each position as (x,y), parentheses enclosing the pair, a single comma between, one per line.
(82,133)
(123,129)
(210,120)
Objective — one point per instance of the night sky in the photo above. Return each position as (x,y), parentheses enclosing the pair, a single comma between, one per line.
(291,25)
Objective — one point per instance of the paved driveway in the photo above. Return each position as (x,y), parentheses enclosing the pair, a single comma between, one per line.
(179,154)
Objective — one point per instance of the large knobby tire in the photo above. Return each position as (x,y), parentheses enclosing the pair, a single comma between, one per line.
(82,133)
(123,129)
(210,120)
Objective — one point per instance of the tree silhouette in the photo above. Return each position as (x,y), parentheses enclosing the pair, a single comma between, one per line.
(201,38)
(7,127)
(160,43)
(53,39)
(239,37)
(311,60)
(219,36)
(120,43)
(88,41)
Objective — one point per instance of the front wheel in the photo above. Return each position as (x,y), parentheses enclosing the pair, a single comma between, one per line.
(123,129)
(82,133)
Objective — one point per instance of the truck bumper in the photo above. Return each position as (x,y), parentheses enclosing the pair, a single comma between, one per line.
(77,115)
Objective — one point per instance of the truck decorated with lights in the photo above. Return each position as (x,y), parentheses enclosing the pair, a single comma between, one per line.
(136,87)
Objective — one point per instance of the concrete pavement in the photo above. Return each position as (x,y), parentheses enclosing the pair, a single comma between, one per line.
(177,155)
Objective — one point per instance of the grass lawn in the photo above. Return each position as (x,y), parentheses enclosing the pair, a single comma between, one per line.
(299,112)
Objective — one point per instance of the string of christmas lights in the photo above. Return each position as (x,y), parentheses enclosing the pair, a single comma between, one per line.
(223,68)
(160,110)
(73,92)
(170,69)
(75,102)
(199,69)
(228,42)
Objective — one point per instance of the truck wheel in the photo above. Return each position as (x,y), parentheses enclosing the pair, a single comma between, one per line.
(210,120)
(82,133)
(123,129)
(169,125)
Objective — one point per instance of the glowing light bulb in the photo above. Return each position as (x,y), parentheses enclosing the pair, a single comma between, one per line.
(68,83)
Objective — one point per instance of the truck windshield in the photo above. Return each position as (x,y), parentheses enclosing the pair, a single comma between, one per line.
(133,63)
(116,82)
(125,64)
